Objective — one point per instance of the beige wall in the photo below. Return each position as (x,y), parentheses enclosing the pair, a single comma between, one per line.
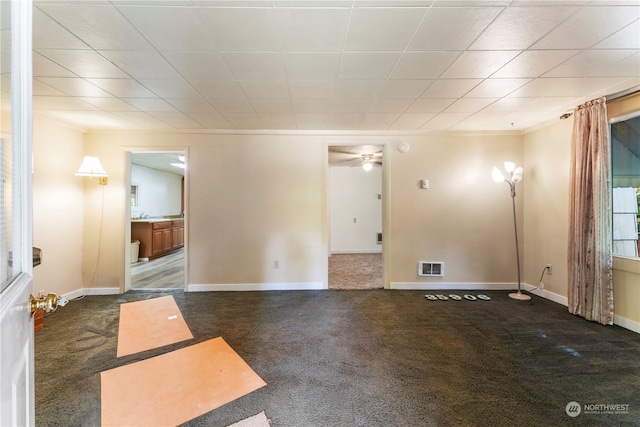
(58,207)
(547,168)
(254,199)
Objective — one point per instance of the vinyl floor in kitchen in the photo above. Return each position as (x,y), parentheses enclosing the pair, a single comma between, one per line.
(166,272)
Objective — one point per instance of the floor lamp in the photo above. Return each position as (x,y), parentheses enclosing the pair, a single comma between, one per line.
(515,174)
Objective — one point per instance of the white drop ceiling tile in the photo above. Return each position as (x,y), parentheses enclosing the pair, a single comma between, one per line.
(444,121)
(211,120)
(48,34)
(314,89)
(312,30)
(551,103)
(199,65)
(566,86)
(478,64)
(272,106)
(266,89)
(404,88)
(312,121)
(312,106)
(450,88)
(430,105)
(452,28)
(372,65)
(101,27)
(382,29)
(626,38)
(170,88)
(84,63)
(245,120)
(141,64)
(350,105)
(44,67)
(242,29)
(143,120)
(472,3)
(74,86)
(423,65)
(151,105)
(85,120)
(480,120)
(522,120)
(218,89)
(233,106)
(411,121)
(278,120)
(601,21)
(378,121)
(469,105)
(155,24)
(496,88)
(311,66)
(191,105)
(109,104)
(345,121)
(177,120)
(123,88)
(41,89)
(607,87)
(519,27)
(61,103)
(510,104)
(365,89)
(534,63)
(255,66)
(388,105)
(595,63)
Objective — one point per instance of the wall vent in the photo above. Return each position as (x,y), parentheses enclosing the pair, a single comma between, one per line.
(379,238)
(430,268)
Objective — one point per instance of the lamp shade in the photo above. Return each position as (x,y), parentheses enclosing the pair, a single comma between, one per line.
(91,167)
(517,174)
(497,175)
(367,166)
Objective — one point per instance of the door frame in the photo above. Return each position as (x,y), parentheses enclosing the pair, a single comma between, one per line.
(127,211)
(385,144)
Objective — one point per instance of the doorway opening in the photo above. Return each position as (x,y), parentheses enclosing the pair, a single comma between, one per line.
(355,199)
(157,220)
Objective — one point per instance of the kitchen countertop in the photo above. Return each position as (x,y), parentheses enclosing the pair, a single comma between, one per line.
(152,220)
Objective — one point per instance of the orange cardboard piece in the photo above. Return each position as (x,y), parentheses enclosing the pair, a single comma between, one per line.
(150,323)
(175,387)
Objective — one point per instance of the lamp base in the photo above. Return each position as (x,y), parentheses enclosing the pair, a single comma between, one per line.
(519,296)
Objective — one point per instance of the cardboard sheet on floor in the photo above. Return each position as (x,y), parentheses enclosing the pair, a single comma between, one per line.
(175,387)
(150,323)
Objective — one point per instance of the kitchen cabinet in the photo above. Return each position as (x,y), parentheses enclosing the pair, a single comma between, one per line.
(158,237)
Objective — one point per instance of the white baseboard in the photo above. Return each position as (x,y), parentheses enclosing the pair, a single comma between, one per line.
(356,251)
(546,294)
(255,287)
(473,286)
(91,291)
(632,325)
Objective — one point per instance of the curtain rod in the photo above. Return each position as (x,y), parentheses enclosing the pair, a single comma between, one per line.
(610,98)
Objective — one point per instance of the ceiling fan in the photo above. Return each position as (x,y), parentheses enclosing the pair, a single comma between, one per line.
(347,158)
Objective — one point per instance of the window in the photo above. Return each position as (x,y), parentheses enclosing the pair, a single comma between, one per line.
(134,196)
(625,173)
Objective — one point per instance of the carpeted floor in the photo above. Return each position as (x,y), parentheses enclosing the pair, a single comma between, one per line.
(355,271)
(364,358)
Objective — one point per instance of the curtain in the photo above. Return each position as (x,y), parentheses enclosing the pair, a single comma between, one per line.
(590,258)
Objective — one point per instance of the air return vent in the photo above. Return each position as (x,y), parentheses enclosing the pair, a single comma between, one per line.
(430,268)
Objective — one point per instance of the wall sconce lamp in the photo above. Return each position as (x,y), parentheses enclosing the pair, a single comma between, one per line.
(92,168)
(515,176)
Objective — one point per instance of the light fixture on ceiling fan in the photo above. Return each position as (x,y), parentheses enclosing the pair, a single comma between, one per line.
(367,159)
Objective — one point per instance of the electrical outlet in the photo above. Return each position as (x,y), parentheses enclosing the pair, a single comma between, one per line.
(549,272)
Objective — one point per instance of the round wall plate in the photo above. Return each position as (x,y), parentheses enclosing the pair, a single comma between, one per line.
(403,147)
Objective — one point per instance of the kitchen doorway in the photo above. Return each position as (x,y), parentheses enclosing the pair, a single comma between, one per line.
(355,197)
(157,220)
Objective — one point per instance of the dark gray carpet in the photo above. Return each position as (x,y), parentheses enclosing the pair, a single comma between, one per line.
(364,358)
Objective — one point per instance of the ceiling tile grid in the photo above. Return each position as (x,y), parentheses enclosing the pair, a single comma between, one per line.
(411,65)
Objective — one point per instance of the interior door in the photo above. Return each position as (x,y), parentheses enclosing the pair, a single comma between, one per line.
(16,264)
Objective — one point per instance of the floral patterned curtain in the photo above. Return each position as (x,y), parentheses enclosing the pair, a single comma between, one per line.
(590,257)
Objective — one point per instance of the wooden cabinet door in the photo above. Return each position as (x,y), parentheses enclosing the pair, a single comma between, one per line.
(157,242)
(167,239)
